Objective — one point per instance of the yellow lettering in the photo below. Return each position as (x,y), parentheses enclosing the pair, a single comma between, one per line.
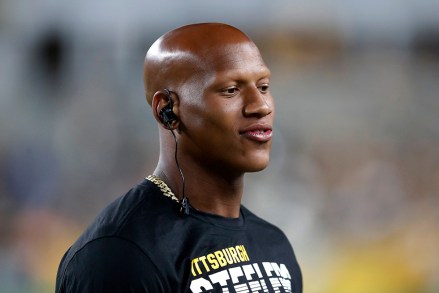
(234,254)
(227,256)
(213,262)
(240,254)
(203,260)
(243,253)
(195,263)
(220,258)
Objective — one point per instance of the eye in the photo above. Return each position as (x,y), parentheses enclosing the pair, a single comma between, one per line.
(263,88)
(230,91)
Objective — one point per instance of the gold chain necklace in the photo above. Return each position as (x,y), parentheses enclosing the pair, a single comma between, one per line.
(163,187)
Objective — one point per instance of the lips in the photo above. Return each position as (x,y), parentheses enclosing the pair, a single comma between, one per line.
(259,133)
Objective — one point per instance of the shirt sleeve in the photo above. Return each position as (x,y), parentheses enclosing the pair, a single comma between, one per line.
(110,264)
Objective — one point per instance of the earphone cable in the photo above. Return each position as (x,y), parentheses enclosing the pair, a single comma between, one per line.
(184,200)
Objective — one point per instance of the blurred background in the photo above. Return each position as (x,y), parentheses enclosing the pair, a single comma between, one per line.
(354,175)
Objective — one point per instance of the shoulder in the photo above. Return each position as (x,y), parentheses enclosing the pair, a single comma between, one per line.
(109,264)
(267,235)
(260,225)
(112,219)
(113,241)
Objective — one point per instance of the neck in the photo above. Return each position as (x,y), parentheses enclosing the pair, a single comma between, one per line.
(208,191)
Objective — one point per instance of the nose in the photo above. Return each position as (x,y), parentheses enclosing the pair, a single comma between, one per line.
(258,104)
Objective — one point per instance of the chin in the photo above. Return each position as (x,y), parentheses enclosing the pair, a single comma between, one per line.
(257,169)
(257,165)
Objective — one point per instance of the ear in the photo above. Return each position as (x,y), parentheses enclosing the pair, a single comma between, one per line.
(165,101)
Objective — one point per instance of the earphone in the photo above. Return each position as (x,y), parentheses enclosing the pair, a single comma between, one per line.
(167,116)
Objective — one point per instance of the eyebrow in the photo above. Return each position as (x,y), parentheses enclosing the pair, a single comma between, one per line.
(242,74)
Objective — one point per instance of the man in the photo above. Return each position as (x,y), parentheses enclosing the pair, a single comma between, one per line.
(183,229)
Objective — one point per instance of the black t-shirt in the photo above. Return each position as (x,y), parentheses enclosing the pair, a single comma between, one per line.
(142,243)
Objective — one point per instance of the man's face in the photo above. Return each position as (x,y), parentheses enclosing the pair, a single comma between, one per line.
(227,112)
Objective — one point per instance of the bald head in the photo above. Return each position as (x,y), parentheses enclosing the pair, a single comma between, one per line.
(186,53)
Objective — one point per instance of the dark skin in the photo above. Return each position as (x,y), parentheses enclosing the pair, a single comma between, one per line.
(220,90)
